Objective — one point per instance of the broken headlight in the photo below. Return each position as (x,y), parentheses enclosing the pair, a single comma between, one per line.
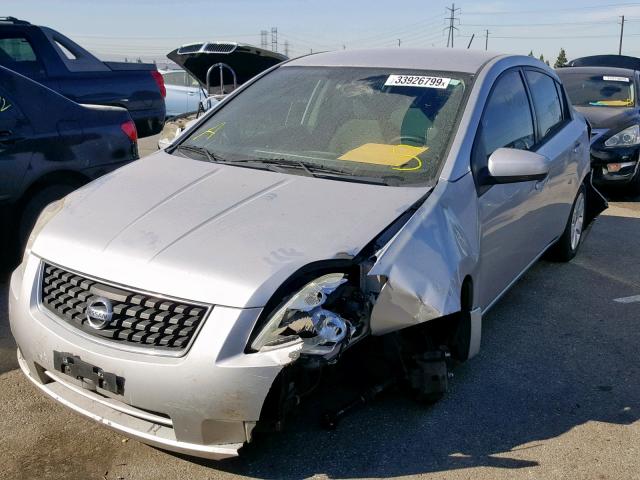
(304,318)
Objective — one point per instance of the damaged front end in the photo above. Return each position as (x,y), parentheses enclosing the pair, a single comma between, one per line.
(339,304)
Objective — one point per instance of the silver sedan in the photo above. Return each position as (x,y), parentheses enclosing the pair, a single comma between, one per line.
(336,200)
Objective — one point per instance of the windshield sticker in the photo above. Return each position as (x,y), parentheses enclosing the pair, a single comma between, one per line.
(417,81)
(210,132)
(395,156)
(615,79)
(4,104)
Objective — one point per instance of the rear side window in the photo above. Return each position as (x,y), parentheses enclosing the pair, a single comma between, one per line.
(546,103)
(16,49)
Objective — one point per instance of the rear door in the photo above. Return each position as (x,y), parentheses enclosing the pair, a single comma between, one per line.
(15,149)
(511,221)
(562,141)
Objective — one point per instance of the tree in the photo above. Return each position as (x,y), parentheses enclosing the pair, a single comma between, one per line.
(541,57)
(562,59)
(531,53)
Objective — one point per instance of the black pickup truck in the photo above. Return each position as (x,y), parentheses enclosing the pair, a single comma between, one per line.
(50,58)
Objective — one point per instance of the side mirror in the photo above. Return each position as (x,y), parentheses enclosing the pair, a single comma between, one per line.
(510,165)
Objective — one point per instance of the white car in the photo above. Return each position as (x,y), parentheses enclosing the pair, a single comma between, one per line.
(184,93)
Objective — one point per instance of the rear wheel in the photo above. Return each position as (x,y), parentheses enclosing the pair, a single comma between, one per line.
(568,244)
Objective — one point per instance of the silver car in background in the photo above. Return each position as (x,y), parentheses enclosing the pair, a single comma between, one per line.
(333,200)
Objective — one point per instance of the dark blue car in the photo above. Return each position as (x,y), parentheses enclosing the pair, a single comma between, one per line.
(49,146)
(50,58)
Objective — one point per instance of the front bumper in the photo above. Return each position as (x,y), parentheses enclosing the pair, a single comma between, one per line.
(602,157)
(204,403)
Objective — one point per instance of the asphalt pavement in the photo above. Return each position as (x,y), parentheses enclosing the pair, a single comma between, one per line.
(553,394)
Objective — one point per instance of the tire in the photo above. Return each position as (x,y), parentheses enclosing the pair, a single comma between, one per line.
(569,243)
(32,209)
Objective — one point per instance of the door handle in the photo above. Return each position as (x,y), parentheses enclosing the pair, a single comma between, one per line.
(576,147)
(191,93)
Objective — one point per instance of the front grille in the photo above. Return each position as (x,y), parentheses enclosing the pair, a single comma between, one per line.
(187,49)
(220,47)
(137,319)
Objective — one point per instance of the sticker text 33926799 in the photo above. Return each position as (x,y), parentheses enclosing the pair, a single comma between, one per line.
(417,81)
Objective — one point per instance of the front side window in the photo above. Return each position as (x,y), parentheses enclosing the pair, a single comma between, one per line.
(545,101)
(507,121)
(387,126)
(601,90)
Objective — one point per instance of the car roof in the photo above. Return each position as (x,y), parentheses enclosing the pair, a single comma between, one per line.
(595,71)
(439,59)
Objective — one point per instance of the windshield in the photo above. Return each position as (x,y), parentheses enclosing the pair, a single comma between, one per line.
(386,126)
(599,90)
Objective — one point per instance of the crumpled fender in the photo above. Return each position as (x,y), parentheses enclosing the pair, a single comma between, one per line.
(426,262)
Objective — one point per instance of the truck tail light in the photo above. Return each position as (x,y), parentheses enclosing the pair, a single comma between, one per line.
(157,76)
(129,129)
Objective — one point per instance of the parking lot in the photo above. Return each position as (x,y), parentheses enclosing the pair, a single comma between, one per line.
(553,394)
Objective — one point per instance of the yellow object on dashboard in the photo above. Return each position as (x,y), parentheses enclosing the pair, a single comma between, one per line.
(613,103)
(382,154)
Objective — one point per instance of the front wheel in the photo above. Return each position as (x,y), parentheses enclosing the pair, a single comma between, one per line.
(568,244)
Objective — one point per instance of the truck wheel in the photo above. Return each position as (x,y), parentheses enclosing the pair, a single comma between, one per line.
(34,206)
(568,244)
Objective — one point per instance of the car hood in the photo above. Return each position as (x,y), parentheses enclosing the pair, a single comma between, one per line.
(213,233)
(609,117)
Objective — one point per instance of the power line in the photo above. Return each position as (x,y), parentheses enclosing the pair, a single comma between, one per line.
(568,37)
(509,25)
(556,10)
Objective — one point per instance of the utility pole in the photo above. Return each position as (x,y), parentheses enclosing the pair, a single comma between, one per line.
(621,35)
(452,23)
(399,43)
(263,39)
(286,48)
(486,40)
(274,39)
(471,41)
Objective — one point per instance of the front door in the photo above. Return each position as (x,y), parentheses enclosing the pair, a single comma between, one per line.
(511,220)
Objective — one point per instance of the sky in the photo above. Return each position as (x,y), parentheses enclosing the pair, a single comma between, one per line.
(119,29)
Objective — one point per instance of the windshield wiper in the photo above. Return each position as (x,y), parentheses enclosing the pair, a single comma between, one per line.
(201,151)
(311,169)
